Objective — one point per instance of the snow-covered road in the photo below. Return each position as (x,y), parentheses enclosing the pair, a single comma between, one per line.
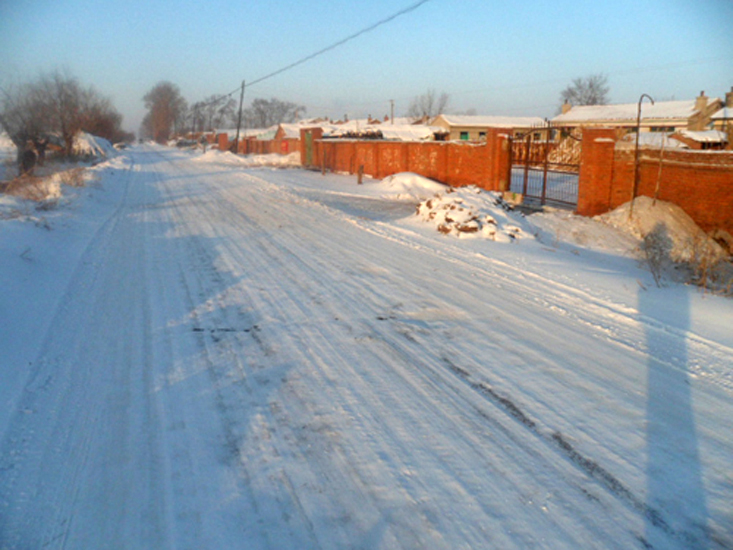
(262,359)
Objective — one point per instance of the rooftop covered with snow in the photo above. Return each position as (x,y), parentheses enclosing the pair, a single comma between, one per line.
(480,121)
(707,136)
(661,110)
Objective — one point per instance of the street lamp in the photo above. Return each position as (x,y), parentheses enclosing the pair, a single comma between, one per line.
(636,153)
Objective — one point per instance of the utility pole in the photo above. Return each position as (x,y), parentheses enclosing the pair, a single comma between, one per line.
(391,116)
(239,120)
(635,188)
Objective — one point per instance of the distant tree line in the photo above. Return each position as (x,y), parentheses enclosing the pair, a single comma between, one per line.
(168,113)
(57,105)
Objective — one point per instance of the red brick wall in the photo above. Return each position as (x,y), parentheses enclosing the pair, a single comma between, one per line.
(390,158)
(283,146)
(429,160)
(485,165)
(700,182)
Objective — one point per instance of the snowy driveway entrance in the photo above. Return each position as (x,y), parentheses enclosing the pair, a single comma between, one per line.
(258,359)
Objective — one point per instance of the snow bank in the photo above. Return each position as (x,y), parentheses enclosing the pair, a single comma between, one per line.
(7,154)
(6,144)
(250,161)
(409,186)
(472,212)
(686,242)
(11,207)
(554,226)
(94,146)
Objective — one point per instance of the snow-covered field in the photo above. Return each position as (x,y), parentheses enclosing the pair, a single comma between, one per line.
(200,353)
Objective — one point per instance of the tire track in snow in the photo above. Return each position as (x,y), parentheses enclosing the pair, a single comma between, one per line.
(297,257)
(72,415)
(558,441)
(220,330)
(577,303)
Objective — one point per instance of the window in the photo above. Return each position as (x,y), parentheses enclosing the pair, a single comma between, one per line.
(482,136)
(464,136)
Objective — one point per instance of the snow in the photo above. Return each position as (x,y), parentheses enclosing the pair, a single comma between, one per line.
(407,132)
(291,131)
(655,139)
(6,143)
(84,144)
(686,240)
(482,121)
(88,145)
(407,186)
(726,113)
(469,212)
(628,111)
(562,226)
(706,136)
(201,353)
(401,130)
(214,156)
(7,154)
(258,133)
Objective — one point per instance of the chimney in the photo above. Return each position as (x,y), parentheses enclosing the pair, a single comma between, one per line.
(701,102)
(729,98)
(566,107)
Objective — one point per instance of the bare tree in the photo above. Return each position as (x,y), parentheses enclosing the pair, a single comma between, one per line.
(21,114)
(25,121)
(62,99)
(264,113)
(70,108)
(100,118)
(591,90)
(428,105)
(167,111)
(55,104)
(219,111)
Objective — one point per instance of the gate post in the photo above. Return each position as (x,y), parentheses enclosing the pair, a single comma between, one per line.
(596,171)
(499,158)
(527,155)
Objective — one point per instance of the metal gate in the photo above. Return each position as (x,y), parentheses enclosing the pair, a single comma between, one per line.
(308,148)
(545,162)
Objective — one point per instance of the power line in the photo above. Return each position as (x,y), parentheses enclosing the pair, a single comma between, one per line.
(333,46)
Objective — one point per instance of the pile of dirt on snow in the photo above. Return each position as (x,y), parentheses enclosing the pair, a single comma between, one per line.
(685,241)
(472,212)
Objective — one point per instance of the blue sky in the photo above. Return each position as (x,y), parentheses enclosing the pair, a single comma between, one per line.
(499,58)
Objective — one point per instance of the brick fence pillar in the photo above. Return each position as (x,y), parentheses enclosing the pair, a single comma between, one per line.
(497,148)
(222,141)
(596,171)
